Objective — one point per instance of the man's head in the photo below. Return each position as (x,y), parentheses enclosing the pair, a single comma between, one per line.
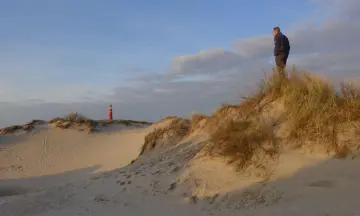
(276,30)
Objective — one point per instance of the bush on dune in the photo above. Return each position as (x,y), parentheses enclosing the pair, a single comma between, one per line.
(73,119)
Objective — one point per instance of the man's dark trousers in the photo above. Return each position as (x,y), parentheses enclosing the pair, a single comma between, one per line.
(280,61)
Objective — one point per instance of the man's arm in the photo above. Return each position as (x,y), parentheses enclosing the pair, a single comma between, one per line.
(277,41)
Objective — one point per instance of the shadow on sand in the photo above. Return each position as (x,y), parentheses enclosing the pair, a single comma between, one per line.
(11,139)
(330,187)
(11,187)
(19,136)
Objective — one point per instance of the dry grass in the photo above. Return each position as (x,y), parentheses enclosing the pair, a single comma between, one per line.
(314,112)
(167,118)
(164,136)
(313,108)
(349,102)
(71,117)
(195,121)
(310,106)
(74,119)
(244,143)
(197,117)
(269,89)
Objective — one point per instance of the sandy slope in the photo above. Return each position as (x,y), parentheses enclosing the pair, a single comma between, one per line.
(48,151)
(180,181)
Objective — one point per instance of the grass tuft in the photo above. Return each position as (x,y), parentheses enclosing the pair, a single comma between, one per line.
(244,142)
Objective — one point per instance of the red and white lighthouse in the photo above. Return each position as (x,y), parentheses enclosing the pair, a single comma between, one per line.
(110,113)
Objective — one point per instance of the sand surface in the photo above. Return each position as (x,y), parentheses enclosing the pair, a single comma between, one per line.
(50,156)
(66,172)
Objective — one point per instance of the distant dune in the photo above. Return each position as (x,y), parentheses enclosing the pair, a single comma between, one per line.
(291,148)
(42,148)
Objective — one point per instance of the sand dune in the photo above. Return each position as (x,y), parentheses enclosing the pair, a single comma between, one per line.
(48,151)
(82,174)
(246,159)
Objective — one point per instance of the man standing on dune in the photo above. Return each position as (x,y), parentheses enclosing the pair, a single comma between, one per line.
(281,50)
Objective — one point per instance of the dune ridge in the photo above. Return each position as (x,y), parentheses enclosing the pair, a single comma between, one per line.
(72,120)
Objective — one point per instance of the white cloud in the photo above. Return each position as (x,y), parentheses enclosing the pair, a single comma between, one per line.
(206,61)
(256,47)
(52,93)
(348,9)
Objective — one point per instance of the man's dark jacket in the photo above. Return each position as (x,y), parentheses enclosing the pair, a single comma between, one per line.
(281,44)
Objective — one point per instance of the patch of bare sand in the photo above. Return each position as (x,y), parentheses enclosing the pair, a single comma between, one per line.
(40,158)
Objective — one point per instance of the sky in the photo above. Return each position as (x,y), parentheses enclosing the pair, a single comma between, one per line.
(156,58)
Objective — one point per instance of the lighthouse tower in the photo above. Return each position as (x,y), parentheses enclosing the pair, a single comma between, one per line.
(110,113)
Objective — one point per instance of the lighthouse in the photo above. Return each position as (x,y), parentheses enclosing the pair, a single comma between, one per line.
(110,114)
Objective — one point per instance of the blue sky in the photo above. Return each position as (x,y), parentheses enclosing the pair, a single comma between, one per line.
(159,55)
(97,41)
